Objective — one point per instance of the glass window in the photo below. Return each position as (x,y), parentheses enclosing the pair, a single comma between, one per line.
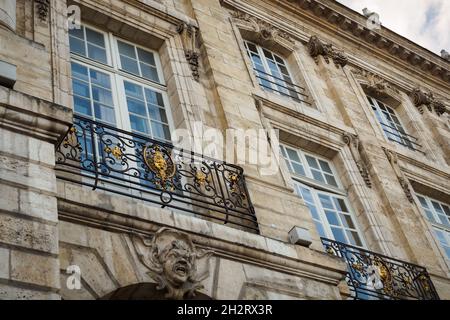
(271,72)
(329,210)
(438,214)
(391,125)
(309,166)
(98,90)
(89,43)
(137,61)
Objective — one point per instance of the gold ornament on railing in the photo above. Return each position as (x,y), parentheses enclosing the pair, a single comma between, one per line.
(116,152)
(201,178)
(160,162)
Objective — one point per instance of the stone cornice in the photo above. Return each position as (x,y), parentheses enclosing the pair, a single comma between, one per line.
(353,23)
(33,117)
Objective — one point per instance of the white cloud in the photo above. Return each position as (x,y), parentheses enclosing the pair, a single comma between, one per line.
(426,22)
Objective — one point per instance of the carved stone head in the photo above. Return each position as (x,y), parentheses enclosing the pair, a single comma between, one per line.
(172,260)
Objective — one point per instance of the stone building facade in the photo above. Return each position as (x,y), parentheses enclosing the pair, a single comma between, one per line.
(87,192)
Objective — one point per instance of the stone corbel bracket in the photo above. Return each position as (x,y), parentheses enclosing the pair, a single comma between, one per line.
(43,7)
(423,99)
(264,30)
(393,160)
(318,48)
(189,36)
(359,156)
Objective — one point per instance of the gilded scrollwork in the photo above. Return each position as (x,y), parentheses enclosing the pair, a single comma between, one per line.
(174,262)
(160,162)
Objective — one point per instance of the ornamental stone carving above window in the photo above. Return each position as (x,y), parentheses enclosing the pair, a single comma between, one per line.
(318,48)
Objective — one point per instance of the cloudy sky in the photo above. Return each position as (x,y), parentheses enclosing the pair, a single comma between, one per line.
(426,22)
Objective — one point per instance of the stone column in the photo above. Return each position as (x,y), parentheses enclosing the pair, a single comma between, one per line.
(29,252)
(8,13)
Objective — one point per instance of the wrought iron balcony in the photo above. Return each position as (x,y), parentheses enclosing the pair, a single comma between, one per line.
(104,157)
(372,276)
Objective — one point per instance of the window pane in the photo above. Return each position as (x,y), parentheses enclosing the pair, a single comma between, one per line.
(102,95)
(104,113)
(157,113)
(79,71)
(325,166)
(136,106)
(340,204)
(133,90)
(293,155)
(80,88)
(339,235)
(331,180)
(326,201)
(100,79)
(126,49)
(97,53)
(354,238)
(347,220)
(320,229)
(332,218)
(129,65)
(145,56)
(312,162)
(74,32)
(317,175)
(160,130)
(154,97)
(149,72)
(95,37)
(82,106)
(139,124)
(298,168)
(77,46)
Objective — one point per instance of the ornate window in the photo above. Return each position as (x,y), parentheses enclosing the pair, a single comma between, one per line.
(391,125)
(438,214)
(118,83)
(317,184)
(272,72)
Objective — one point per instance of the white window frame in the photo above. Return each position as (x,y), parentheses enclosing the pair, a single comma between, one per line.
(392,134)
(273,87)
(118,76)
(317,187)
(436,224)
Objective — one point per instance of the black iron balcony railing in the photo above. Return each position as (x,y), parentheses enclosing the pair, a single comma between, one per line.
(402,138)
(104,157)
(378,277)
(282,86)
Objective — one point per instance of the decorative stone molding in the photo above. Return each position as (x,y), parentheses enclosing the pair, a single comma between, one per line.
(393,160)
(173,262)
(375,83)
(427,99)
(265,30)
(189,35)
(43,7)
(356,25)
(359,156)
(318,48)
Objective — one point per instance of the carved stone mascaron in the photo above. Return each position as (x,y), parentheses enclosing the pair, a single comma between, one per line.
(174,262)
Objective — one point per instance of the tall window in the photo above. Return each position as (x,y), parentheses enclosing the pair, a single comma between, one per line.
(272,72)
(318,185)
(392,127)
(118,83)
(438,214)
